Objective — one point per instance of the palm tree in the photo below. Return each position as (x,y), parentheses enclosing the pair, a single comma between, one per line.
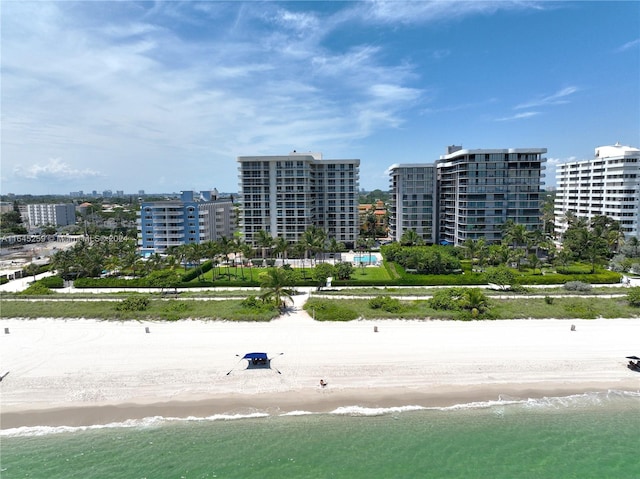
(335,246)
(313,240)
(410,238)
(281,248)
(370,224)
(482,252)
(470,248)
(499,254)
(265,241)
(226,247)
(180,252)
(615,239)
(32,268)
(211,250)
(194,254)
(564,258)
(474,300)
(534,239)
(247,252)
(276,284)
(515,233)
(534,262)
(548,216)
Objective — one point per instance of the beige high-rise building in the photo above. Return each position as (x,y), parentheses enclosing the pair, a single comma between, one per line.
(285,195)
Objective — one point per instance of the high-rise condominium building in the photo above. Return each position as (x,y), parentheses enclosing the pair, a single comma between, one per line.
(51,215)
(193,218)
(413,201)
(285,195)
(607,185)
(479,190)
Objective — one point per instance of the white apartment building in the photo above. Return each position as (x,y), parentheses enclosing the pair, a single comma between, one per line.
(413,201)
(285,195)
(607,185)
(51,214)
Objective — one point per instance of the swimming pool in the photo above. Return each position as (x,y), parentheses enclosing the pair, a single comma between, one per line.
(366,258)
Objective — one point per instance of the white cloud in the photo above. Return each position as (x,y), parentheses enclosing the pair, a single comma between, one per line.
(440,54)
(519,116)
(629,45)
(557,98)
(423,11)
(54,169)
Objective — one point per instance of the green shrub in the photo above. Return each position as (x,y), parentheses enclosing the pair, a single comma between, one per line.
(386,303)
(133,303)
(501,275)
(446,299)
(577,286)
(344,270)
(37,289)
(633,297)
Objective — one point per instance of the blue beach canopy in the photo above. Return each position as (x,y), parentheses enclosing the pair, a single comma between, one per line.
(255,356)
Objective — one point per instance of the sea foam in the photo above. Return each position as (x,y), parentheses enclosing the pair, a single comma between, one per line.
(576,401)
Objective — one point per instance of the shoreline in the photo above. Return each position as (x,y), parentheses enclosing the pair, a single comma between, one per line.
(88,372)
(323,401)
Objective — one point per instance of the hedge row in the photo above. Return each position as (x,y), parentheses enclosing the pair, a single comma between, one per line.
(52,282)
(195,272)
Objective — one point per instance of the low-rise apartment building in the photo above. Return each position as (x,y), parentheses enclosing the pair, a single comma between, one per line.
(192,218)
(51,214)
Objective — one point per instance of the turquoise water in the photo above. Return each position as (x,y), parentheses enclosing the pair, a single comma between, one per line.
(589,436)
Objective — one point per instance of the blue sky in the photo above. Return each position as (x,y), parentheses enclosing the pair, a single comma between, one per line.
(163,96)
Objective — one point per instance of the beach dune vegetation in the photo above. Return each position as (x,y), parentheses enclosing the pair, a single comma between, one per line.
(633,297)
(471,301)
(386,303)
(135,302)
(37,288)
(328,310)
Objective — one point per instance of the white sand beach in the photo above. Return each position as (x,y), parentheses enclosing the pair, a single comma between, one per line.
(82,372)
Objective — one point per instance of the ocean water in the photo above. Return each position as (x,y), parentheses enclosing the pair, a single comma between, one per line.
(585,436)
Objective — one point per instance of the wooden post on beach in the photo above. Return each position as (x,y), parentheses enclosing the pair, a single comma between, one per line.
(573,327)
(6,330)
(375,329)
(146,330)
